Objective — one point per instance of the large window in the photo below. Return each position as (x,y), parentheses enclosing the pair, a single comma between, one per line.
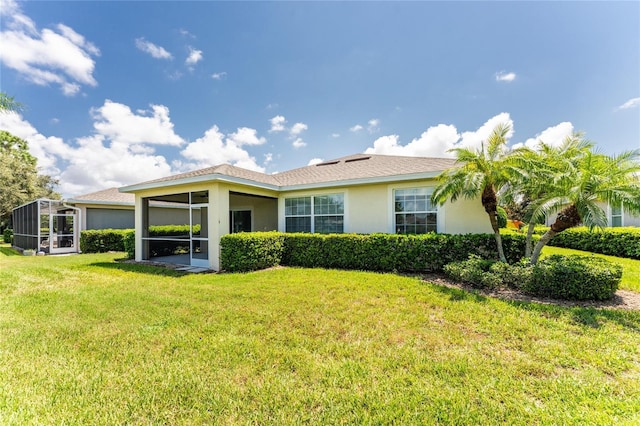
(414,213)
(323,214)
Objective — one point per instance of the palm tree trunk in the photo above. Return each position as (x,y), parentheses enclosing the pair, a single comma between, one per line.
(567,218)
(490,203)
(540,244)
(529,241)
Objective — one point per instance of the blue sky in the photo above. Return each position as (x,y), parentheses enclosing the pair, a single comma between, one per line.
(122,92)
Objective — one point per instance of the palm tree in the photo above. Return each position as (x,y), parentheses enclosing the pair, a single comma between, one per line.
(482,172)
(538,173)
(584,181)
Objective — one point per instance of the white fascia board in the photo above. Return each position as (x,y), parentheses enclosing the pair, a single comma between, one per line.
(100,202)
(362,181)
(198,179)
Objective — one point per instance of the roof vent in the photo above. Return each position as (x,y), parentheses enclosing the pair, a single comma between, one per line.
(351,160)
(328,163)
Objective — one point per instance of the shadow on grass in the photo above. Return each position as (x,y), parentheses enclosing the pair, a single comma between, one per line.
(140,268)
(456,294)
(7,251)
(587,316)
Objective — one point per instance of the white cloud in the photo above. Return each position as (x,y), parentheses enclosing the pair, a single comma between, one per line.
(268,158)
(277,124)
(214,148)
(297,128)
(505,76)
(57,56)
(437,140)
(631,103)
(315,161)
(299,143)
(335,135)
(118,123)
(91,163)
(553,136)
(246,136)
(356,128)
(155,51)
(372,126)
(194,57)
(218,75)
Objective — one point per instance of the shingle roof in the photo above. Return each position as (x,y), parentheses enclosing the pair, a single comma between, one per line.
(358,167)
(109,196)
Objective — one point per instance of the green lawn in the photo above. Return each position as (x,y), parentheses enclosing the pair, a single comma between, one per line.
(630,267)
(85,340)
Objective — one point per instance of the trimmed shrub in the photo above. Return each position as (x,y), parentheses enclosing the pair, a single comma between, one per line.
(620,242)
(7,235)
(574,278)
(129,242)
(250,251)
(102,240)
(475,271)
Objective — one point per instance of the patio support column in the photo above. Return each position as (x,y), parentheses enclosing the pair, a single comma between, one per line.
(142,227)
(218,222)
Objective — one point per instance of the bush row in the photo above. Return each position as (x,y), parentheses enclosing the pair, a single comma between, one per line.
(103,240)
(7,235)
(560,277)
(373,252)
(621,242)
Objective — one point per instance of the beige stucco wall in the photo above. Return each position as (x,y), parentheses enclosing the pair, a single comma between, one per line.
(369,209)
(264,211)
(627,219)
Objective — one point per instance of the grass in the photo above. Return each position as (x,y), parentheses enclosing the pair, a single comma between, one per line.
(85,340)
(630,267)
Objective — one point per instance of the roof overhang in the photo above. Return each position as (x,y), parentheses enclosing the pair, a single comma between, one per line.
(217,177)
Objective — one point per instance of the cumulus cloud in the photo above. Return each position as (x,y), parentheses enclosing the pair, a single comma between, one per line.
(335,135)
(505,76)
(299,143)
(631,103)
(154,50)
(372,125)
(194,57)
(315,161)
(553,136)
(437,140)
(216,148)
(57,55)
(297,128)
(218,75)
(118,123)
(90,163)
(277,124)
(356,128)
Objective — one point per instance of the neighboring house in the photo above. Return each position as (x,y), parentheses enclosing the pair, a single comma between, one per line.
(356,194)
(112,209)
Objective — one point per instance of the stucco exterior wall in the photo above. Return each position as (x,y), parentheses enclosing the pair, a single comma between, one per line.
(370,209)
(264,211)
(627,219)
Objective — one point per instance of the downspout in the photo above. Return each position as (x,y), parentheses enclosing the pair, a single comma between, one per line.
(78,226)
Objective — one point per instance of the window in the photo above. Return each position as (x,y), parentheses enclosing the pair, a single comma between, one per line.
(323,214)
(414,213)
(616,216)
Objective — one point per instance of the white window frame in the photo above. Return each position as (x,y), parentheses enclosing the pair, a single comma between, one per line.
(439,210)
(612,215)
(313,215)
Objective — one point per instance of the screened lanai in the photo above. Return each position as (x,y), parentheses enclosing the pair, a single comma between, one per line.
(46,225)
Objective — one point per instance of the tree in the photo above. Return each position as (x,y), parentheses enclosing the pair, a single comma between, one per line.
(8,103)
(21,182)
(584,180)
(481,173)
(535,185)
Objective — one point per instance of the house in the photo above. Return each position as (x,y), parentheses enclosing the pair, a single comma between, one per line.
(616,217)
(360,193)
(112,209)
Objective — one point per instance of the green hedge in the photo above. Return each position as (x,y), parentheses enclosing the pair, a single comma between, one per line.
(7,235)
(373,252)
(621,242)
(250,251)
(574,278)
(102,240)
